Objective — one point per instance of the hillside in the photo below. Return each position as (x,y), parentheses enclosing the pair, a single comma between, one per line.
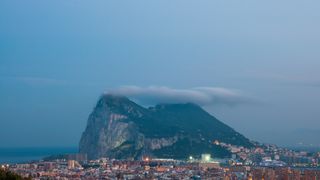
(120,128)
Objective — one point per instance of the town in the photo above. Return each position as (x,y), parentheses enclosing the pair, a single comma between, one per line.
(263,162)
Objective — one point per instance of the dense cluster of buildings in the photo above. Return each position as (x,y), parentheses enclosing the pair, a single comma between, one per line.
(157,169)
(262,162)
(271,155)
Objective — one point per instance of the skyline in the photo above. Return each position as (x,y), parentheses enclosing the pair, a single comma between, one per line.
(57,58)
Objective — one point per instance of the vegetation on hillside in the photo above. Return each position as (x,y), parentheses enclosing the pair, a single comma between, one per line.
(8,175)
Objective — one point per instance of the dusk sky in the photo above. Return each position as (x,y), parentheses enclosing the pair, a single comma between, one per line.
(255,65)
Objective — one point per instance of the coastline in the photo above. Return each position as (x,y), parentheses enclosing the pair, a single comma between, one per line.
(13,155)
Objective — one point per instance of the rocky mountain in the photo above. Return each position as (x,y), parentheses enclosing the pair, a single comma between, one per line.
(120,128)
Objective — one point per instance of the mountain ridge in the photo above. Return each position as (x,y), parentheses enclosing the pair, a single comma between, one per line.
(120,128)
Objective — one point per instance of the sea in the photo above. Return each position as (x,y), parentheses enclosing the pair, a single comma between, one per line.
(22,155)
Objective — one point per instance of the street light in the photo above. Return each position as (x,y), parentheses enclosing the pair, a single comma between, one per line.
(190,158)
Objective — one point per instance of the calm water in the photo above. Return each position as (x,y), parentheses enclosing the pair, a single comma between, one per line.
(20,155)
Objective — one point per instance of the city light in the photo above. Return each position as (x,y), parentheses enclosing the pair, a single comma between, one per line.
(205,157)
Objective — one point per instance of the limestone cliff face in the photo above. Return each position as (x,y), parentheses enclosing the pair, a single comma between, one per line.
(119,128)
(111,131)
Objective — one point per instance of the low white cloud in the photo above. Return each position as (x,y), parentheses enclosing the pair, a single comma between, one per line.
(203,96)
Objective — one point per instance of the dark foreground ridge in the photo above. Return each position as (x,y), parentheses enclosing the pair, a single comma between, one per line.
(119,128)
(6,174)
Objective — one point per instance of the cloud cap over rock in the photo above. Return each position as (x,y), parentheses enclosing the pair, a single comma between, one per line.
(203,96)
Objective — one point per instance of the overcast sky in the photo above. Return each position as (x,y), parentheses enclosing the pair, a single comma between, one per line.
(252,64)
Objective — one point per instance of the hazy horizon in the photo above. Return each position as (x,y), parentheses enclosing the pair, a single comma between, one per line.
(254,65)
